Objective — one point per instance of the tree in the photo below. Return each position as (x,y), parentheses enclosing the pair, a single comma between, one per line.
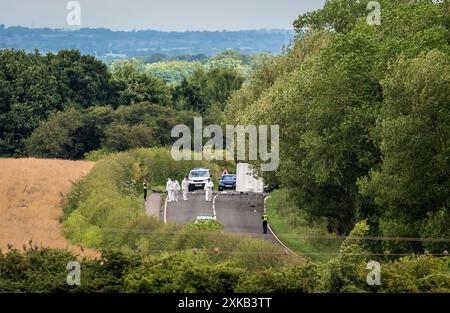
(72,133)
(173,72)
(326,93)
(82,79)
(33,85)
(203,89)
(339,15)
(120,137)
(57,137)
(414,131)
(28,93)
(136,86)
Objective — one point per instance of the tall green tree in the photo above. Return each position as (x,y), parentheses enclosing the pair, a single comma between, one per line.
(136,86)
(82,79)
(207,88)
(28,92)
(414,131)
(34,85)
(326,93)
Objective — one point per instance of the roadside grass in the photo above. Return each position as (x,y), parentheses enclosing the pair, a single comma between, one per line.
(292,228)
(158,189)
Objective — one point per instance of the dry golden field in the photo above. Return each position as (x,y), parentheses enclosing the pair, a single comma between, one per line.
(31,193)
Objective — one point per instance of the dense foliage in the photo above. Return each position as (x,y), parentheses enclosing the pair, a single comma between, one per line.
(44,270)
(364,120)
(62,105)
(72,133)
(33,85)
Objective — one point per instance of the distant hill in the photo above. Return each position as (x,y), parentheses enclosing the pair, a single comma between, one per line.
(107,44)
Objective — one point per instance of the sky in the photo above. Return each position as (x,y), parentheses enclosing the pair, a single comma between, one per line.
(165,15)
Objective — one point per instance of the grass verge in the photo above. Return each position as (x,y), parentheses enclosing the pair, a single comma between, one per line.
(295,231)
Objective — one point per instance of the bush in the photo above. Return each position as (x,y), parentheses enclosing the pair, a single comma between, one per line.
(400,227)
(182,272)
(346,272)
(76,132)
(120,137)
(95,155)
(436,225)
(417,274)
(286,280)
(205,225)
(44,270)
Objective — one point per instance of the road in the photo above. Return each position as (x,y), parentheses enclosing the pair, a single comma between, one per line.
(237,213)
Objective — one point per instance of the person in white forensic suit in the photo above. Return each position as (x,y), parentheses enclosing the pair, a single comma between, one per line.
(169,190)
(185,188)
(209,189)
(176,190)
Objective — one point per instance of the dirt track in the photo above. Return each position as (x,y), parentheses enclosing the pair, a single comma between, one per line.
(31,192)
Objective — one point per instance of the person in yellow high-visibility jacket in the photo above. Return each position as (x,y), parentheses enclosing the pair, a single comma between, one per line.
(145,186)
(265,221)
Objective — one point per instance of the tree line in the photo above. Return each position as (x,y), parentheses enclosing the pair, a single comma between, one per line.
(68,104)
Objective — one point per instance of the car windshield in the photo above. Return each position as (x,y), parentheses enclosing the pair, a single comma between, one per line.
(228,177)
(199,174)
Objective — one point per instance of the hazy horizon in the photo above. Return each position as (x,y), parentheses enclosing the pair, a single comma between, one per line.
(159,15)
(152,29)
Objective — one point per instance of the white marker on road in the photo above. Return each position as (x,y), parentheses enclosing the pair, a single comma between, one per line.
(214,206)
(165,211)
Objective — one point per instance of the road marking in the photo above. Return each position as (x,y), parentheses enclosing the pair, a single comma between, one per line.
(278,239)
(214,206)
(165,211)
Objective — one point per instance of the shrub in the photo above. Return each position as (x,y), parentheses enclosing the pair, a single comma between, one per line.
(286,280)
(400,227)
(436,225)
(205,225)
(44,270)
(120,137)
(417,274)
(181,272)
(346,272)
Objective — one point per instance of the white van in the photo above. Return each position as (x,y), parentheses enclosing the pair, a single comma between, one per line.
(197,178)
(246,180)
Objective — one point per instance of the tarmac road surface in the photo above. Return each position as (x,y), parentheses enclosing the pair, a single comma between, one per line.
(238,213)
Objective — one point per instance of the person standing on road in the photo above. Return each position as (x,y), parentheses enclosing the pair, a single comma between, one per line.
(265,221)
(185,187)
(145,186)
(209,188)
(169,190)
(176,190)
